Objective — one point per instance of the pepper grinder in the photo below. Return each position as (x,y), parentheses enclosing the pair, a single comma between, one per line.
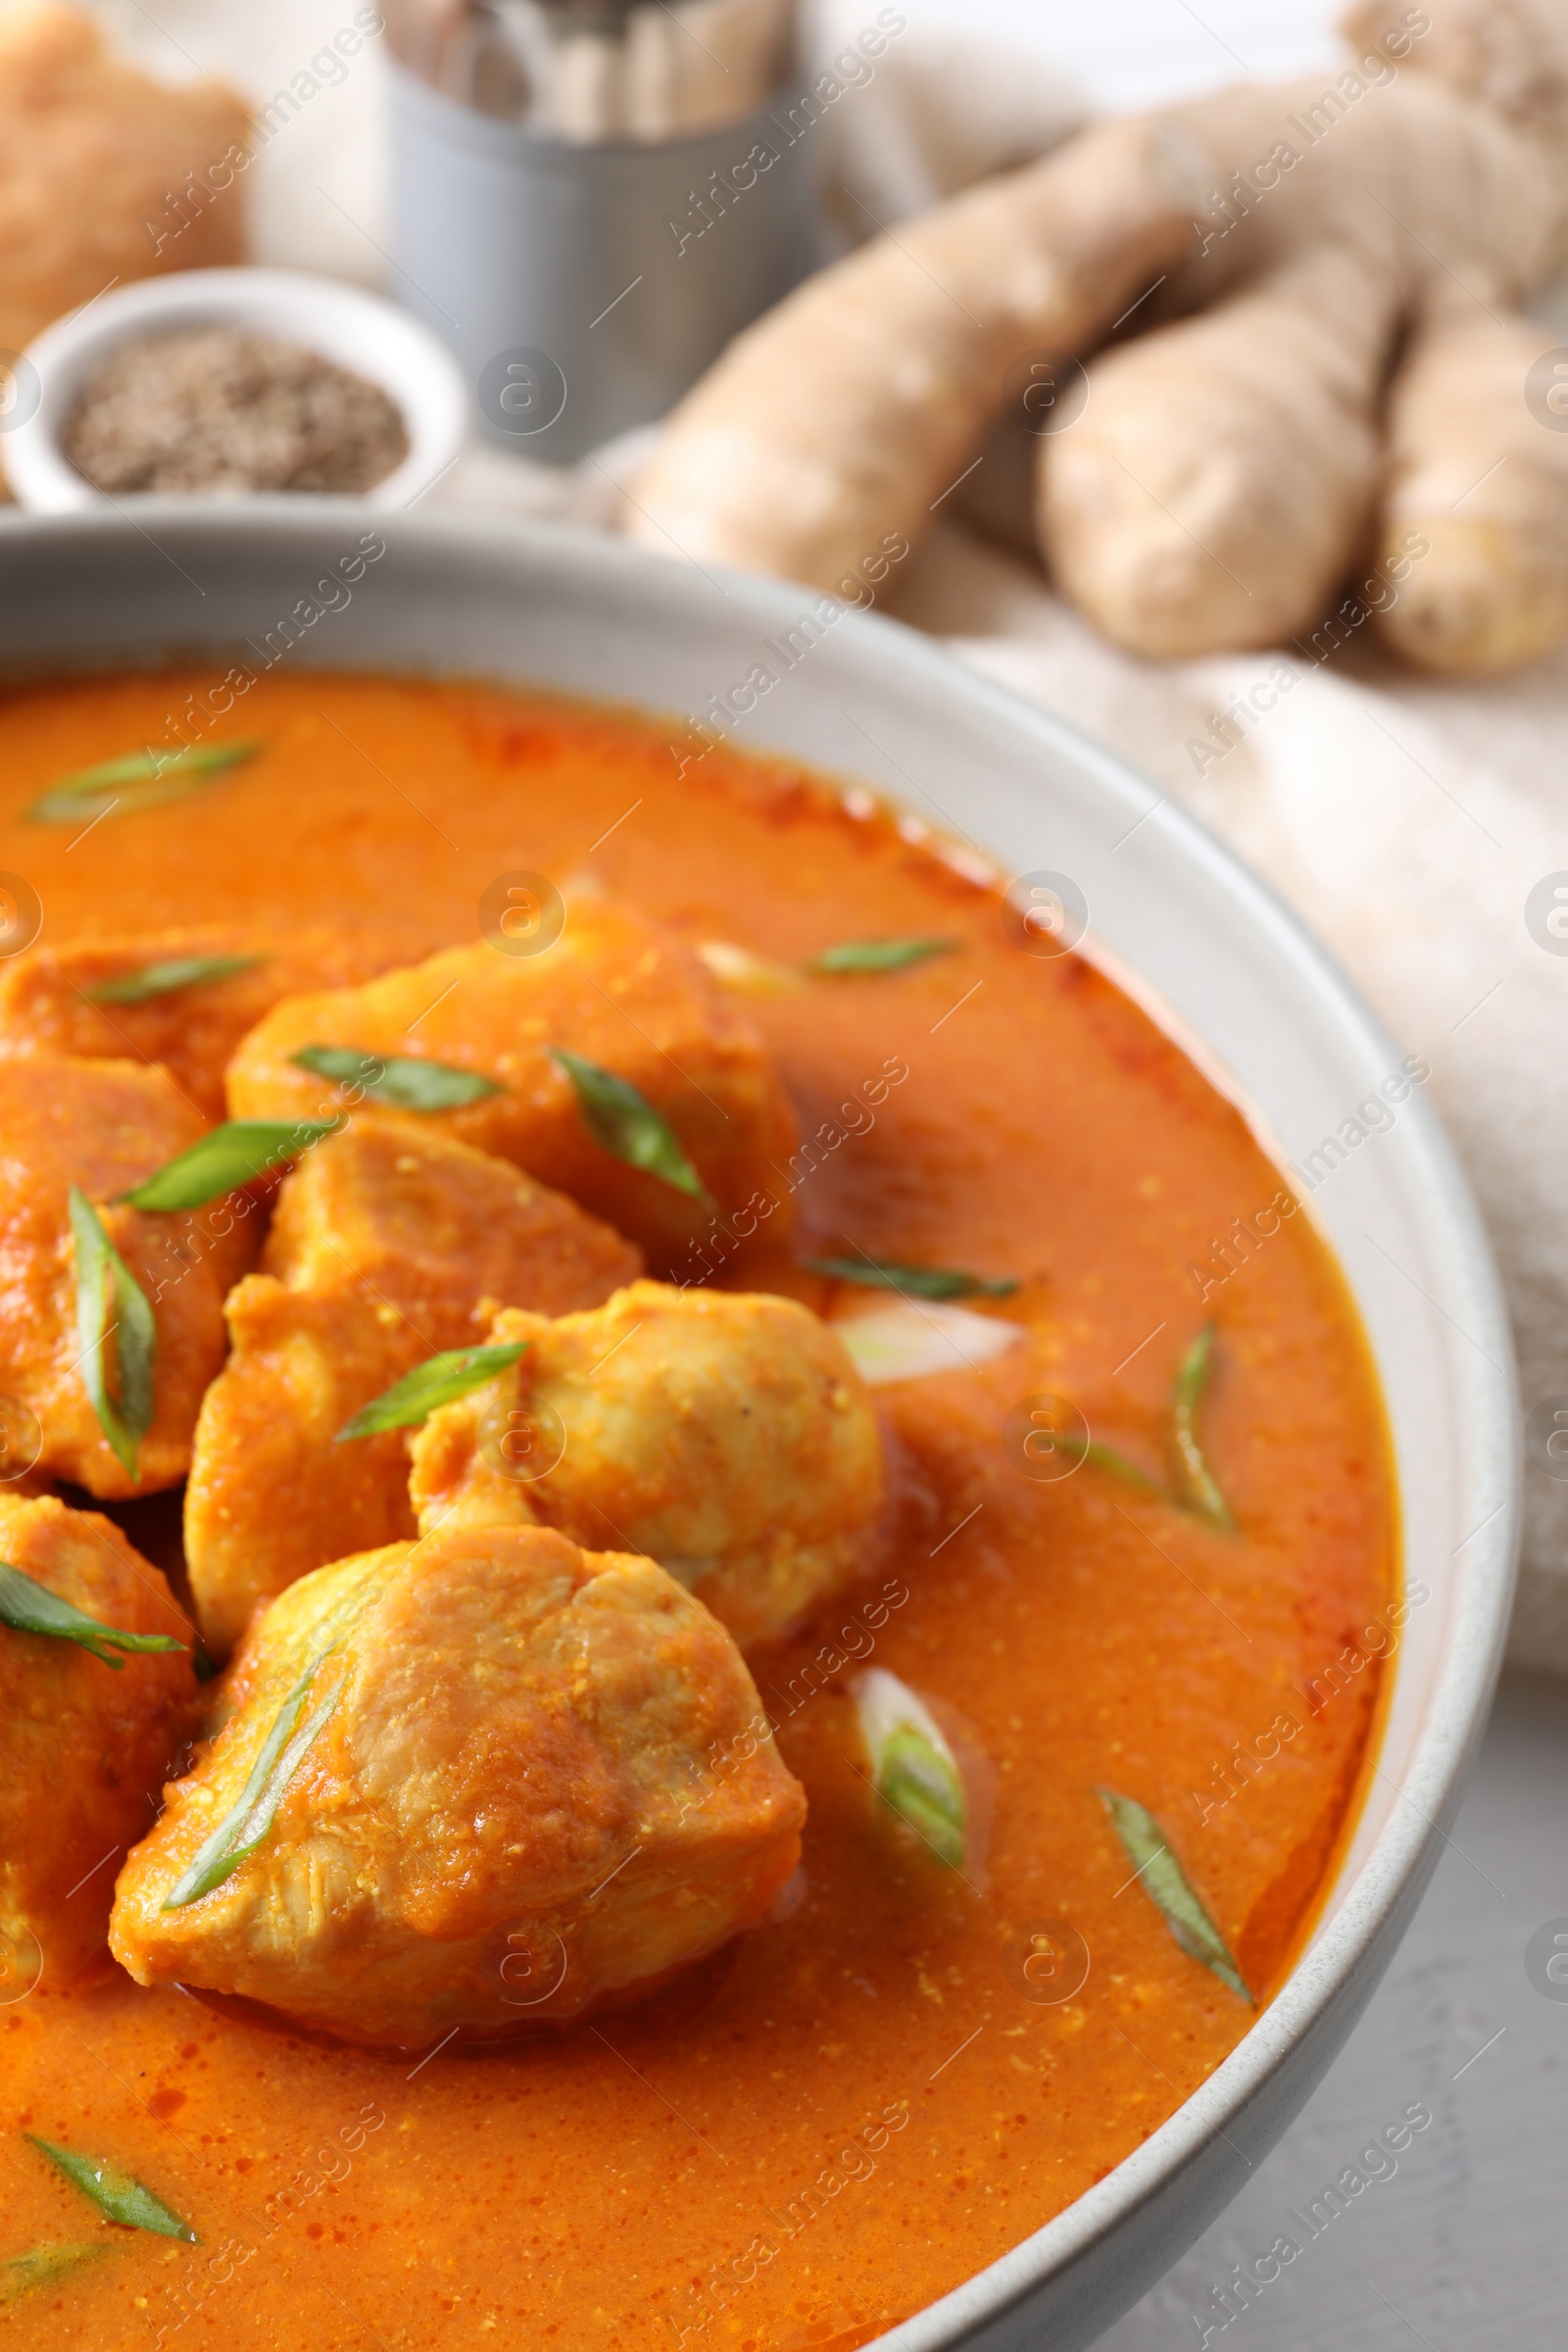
(592,197)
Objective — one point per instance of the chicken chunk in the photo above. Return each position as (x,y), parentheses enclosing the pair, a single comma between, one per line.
(523,1777)
(388,1244)
(431,1225)
(727,1436)
(612,990)
(83,1747)
(102,1126)
(49,1002)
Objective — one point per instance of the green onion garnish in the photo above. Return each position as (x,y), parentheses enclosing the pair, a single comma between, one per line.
(439,1380)
(114,2193)
(101,1275)
(30,1608)
(1106,1458)
(163,979)
(915,1282)
(231,1156)
(42,2266)
(141,780)
(912,1768)
(1201,1494)
(626,1123)
(400,1080)
(738,969)
(1192,1378)
(880,955)
(244,1827)
(1165,1884)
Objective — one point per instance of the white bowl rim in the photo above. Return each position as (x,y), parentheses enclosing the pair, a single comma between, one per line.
(345,323)
(1371,1910)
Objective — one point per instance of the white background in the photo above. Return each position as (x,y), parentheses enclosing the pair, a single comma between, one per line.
(1140,52)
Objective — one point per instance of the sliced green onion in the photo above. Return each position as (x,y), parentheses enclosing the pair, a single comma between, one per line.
(231,1156)
(163,979)
(912,1768)
(114,2193)
(906,1338)
(1192,1378)
(880,955)
(30,1608)
(139,781)
(738,970)
(626,1123)
(42,2266)
(915,1282)
(439,1380)
(1106,1458)
(1165,1884)
(401,1080)
(102,1273)
(245,1826)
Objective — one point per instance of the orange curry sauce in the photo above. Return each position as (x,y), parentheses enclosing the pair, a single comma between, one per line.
(850,2111)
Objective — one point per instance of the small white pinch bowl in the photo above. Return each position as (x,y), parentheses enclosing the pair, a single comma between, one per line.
(343,323)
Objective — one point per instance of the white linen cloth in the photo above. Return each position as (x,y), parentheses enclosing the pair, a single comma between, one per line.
(1408,820)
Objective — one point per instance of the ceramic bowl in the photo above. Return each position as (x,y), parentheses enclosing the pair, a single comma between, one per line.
(1177,920)
(358,331)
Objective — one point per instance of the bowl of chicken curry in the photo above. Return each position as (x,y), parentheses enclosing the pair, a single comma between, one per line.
(755,1494)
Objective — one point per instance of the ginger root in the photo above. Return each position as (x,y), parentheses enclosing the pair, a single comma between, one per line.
(844,414)
(1298,307)
(1479,470)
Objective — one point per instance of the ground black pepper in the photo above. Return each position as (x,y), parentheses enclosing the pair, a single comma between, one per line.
(225,410)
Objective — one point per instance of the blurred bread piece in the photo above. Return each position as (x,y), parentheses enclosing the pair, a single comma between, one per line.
(92,154)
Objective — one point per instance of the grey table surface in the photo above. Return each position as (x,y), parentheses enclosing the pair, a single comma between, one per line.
(1467,2244)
